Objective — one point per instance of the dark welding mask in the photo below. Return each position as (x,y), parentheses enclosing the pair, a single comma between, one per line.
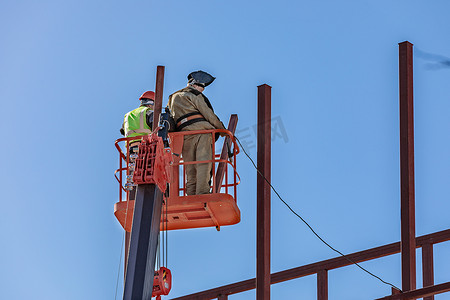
(200,78)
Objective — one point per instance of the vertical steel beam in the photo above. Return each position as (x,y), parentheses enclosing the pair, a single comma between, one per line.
(427,267)
(263,194)
(395,291)
(408,231)
(158,95)
(232,124)
(322,285)
(143,244)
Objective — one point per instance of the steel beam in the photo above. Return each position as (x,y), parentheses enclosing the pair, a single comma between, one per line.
(263,194)
(322,285)
(232,124)
(314,268)
(408,231)
(159,89)
(143,244)
(419,293)
(395,291)
(427,267)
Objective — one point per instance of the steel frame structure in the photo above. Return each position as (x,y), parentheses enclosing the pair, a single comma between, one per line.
(320,268)
(407,246)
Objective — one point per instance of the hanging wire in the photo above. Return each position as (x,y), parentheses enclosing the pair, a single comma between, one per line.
(158,253)
(162,242)
(167,235)
(309,226)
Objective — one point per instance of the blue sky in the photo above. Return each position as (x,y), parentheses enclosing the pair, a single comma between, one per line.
(72,69)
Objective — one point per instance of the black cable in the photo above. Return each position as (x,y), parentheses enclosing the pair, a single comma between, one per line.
(310,228)
(158,255)
(167,235)
(161,244)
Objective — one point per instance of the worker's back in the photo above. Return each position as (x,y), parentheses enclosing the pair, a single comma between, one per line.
(187,103)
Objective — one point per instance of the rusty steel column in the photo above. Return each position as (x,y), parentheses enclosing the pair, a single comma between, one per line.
(263,194)
(222,167)
(427,267)
(408,231)
(322,285)
(158,95)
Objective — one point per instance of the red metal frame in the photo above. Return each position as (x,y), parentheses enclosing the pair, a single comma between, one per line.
(152,163)
(408,243)
(317,267)
(221,168)
(177,137)
(216,209)
(427,267)
(322,284)
(425,292)
(182,212)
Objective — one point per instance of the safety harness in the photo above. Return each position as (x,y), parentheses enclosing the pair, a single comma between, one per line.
(192,117)
(189,119)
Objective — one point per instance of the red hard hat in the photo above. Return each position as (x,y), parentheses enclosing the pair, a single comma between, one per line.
(148,95)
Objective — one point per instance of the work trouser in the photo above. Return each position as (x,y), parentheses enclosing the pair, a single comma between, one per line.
(198,147)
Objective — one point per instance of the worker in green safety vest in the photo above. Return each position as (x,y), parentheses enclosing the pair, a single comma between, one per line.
(139,121)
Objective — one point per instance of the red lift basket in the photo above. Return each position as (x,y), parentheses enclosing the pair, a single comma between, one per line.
(180,211)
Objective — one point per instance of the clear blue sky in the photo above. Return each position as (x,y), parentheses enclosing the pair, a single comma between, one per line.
(71,69)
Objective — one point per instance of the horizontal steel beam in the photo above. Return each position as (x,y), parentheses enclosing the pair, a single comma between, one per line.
(334,263)
(420,293)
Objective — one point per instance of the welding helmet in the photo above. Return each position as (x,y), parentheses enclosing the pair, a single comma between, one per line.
(200,78)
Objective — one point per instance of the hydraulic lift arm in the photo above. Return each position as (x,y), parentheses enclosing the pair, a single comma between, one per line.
(140,270)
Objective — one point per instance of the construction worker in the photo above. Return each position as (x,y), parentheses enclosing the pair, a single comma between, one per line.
(191,110)
(138,122)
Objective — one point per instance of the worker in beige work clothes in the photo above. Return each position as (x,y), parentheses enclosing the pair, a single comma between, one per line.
(191,110)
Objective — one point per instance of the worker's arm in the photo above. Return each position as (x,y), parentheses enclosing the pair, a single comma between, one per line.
(122,131)
(207,112)
(149,118)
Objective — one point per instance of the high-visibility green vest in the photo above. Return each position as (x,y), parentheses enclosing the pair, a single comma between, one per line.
(135,122)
